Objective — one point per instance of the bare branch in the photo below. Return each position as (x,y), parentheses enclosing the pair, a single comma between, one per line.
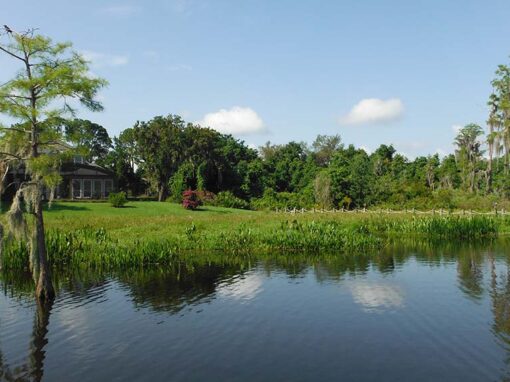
(15,129)
(5,174)
(12,155)
(55,143)
(13,96)
(12,54)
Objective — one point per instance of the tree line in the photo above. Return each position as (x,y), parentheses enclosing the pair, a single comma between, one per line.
(165,156)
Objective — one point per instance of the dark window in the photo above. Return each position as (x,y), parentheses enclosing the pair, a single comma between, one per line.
(76,188)
(87,188)
(108,187)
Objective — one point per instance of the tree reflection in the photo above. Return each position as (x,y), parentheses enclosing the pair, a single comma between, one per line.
(470,272)
(39,338)
(500,294)
(175,288)
(33,368)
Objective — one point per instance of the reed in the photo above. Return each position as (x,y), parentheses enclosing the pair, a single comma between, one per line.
(95,247)
(446,227)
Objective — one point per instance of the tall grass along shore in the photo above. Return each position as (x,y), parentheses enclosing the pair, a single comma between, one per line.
(144,233)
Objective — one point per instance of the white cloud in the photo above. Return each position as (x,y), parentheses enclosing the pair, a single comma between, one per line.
(121,10)
(237,120)
(99,60)
(373,111)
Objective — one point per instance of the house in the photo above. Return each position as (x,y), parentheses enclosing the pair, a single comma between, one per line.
(80,180)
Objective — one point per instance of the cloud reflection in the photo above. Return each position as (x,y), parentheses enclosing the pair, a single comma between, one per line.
(376,296)
(246,288)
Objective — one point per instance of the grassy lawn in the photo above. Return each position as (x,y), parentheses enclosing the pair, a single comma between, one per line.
(154,220)
(149,220)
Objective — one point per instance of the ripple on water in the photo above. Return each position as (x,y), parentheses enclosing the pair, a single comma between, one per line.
(399,317)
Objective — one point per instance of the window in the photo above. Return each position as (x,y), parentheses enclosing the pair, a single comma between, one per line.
(108,187)
(76,188)
(97,192)
(78,159)
(87,188)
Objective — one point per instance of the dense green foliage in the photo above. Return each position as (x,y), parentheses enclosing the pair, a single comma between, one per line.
(117,199)
(171,156)
(229,200)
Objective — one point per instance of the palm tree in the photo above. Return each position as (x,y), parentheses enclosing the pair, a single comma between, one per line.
(469,153)
(494,123)
(499,115)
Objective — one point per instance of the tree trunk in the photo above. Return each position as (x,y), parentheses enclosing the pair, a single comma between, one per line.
(44,289)
(162,192)
(489,172)
(1,246)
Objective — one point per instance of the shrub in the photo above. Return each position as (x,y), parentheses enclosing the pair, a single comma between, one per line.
(117,199)
(229,200)
(271,200)
(206,197)
(190,200)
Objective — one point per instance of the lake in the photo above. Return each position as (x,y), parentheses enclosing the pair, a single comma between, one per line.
(409,313)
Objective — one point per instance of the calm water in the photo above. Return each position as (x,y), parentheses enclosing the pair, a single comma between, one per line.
(435,314)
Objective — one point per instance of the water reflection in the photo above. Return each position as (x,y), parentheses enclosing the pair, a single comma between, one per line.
(33,368)
(381,283)
(177,287)
(241,288)
(470,273)
(500,296)
(374,297)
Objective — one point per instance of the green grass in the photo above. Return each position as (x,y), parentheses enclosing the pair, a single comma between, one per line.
(142,233)
(145,220)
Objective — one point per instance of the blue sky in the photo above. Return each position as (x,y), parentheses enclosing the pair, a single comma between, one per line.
(401,72)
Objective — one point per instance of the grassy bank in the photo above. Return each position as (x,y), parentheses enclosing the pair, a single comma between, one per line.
(96,234)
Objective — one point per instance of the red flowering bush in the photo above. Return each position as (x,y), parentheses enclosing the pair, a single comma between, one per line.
(190,200)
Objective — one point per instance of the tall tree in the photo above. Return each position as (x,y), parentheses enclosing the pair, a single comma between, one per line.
(324,147)
(469,153)
(160,149)
(500,110)
(37,97)
(431,170)
(448,173)
(123,161)
(322,190)
(91,139)
(494,123)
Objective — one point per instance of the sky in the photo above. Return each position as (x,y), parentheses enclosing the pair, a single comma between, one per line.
(400,72)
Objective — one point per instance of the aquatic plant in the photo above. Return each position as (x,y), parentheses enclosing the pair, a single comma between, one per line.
(134,238)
